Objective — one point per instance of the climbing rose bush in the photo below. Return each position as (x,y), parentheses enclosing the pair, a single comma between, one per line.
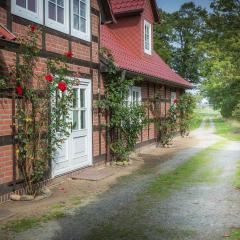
(43,118)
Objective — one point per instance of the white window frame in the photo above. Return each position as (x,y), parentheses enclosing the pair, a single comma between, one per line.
(173,97)
(77,33)
(25,13)
(56,25)
(148,51)
(129,99)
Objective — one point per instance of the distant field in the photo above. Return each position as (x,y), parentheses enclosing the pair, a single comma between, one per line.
(227,128)
(200,114)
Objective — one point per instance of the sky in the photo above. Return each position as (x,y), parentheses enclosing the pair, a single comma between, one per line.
(174,5)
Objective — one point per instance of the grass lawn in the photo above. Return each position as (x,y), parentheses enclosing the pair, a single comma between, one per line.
(235,234)
(229,129)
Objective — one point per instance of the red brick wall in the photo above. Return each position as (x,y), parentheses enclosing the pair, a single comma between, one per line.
(56,43)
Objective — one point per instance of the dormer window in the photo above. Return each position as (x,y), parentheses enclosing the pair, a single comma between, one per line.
(147,37)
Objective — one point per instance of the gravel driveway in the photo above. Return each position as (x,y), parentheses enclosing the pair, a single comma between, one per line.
(196,210)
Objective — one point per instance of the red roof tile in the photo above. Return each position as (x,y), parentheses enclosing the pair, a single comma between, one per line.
(152,66)
(5,34)
(119,6)
(127,6)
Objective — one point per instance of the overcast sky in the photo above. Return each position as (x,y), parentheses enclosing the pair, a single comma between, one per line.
(173,5)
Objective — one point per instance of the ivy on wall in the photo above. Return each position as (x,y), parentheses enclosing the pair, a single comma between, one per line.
(125,120)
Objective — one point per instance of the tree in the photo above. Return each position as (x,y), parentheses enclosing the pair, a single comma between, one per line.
(163,37)
(222,50)
(177,39)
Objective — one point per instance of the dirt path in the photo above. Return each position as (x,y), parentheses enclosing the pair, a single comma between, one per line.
(204,206)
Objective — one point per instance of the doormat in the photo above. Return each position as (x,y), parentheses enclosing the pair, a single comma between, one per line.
(4,214)
(93,174)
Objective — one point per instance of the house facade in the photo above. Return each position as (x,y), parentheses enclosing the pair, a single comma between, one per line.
(130,39)
(82,27)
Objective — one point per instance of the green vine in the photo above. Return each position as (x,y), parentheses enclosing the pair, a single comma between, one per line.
(185,109)
(167,127)
(126,120)
(42,109)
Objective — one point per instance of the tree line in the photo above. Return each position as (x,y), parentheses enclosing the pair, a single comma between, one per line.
(204,48)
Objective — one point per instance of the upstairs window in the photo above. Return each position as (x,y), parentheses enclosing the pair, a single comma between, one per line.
(147,37)
(57,12)
(29,9)
(68,16)
(81,19)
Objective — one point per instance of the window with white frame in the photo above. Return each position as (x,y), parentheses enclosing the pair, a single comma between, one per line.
(29,9)
(57,12)
(134,96)
(57,15)
(147,37)
(173,97)
(81,19)
(79,109)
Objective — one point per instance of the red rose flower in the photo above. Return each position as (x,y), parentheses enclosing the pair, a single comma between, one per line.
(49,78)
(69,54)
(62,86)
(19,90)
(33,27)
(175,101)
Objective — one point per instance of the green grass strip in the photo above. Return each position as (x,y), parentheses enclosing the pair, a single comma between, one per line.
(226,130)
(235,234)
(24,224)
(237,177)
(189,172)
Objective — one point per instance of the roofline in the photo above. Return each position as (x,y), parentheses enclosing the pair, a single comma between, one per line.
(104,62)
(155,11)
(158,80)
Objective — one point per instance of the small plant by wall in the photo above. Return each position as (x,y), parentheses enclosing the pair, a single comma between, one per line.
(167,127)
(178,119)
(43,103)
(125,120)
(185,108)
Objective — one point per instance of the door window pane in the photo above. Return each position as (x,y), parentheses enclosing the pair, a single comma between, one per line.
(75,98)
(75,123)
(82,98)
(32,5)
(83,119)
(21,3)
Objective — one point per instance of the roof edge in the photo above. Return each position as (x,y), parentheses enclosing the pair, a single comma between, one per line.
(104,62)
(106,10)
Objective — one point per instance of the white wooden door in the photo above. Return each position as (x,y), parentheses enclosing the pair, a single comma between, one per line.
(76,151)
